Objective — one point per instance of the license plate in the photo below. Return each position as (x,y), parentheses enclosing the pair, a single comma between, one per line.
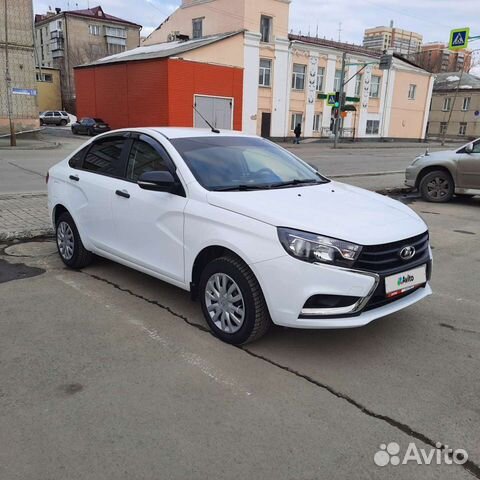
(404,281)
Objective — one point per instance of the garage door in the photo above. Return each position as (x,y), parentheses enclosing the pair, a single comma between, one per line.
(218,111)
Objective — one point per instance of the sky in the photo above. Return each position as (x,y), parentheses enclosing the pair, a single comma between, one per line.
(432,18)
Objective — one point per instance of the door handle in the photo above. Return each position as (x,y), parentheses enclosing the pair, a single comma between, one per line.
(123,193)
(74,177)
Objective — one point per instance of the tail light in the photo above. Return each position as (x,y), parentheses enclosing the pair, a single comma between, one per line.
(47,176)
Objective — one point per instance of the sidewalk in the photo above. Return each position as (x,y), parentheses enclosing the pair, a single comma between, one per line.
(24,216)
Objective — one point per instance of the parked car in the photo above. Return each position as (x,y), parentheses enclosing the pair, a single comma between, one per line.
(54,117)
(252,231)
(441,175)
(90,126)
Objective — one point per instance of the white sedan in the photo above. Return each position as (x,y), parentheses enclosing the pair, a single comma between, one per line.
(247,227)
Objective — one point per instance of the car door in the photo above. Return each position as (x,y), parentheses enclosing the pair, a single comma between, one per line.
(82,125)
(57,118)
(91,189)
(148,224)
(468,168)
(48,119)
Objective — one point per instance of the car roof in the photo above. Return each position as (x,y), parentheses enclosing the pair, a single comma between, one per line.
(184,132)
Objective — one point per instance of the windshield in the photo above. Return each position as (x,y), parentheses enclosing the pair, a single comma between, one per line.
(243,163)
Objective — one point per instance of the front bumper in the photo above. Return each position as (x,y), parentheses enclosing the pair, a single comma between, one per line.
(411,174)
(287,283)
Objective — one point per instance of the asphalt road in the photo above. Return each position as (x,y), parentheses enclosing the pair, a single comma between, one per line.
(110,374)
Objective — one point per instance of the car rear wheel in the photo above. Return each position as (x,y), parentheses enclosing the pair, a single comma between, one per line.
(63,123)
(232,301)
(69,244)
(437,186)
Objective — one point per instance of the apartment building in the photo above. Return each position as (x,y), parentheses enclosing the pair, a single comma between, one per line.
(436,57)
(285,81)
(456,97)
(65,39)
(20,91)
(403,42)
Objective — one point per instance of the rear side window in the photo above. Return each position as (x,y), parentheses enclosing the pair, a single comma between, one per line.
(104,156)
(144,158)
(76,160)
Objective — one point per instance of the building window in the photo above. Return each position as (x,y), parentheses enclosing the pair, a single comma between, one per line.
(317,122)
(463,128)
(375,86)
(372,127)
(443,128)
(297,118)
(447,101)
(320,76)
(412,91)
(113,49)
(266,28)
(466,104)
(358,84)
(94,30)
(298,77)
(59,25)
(197,28)
(265,72)
(44,77)
(336,82)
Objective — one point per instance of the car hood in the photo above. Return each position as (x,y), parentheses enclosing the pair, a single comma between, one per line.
(333,209)
(438,156)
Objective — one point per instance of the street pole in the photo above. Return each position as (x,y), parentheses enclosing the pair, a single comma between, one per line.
(342,86)
(8,83)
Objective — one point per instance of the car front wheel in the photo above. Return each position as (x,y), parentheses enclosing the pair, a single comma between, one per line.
(437,186)
(232,301)
(69,244)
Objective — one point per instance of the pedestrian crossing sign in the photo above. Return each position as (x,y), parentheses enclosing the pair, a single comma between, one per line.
(459,38)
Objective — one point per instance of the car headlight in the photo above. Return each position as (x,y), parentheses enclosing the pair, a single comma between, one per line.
(417,159)
(310,247)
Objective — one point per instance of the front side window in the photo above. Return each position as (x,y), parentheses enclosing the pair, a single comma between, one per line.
(266,28)
(265,77)
(104,156)
(298,77)
(242,163)
(320,77)
(197,28)
(144,158)
(412,92)
(375,86)
(372,127)
(76,160)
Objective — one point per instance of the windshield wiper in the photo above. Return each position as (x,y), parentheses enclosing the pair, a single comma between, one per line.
(241,188)
(292,183)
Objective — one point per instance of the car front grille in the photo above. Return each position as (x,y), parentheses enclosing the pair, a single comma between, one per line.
(385,258)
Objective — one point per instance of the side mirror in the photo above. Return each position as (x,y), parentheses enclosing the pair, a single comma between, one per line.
(469,148)
(158,182)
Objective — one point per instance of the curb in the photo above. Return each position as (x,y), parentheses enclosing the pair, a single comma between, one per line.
(49,146)
(27,234)
(372,174)
(395,191)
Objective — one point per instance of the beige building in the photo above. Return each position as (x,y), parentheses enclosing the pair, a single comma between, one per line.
(49,94)
(287,77)
(67,39)
(436,57)
(20,92)
(461,107)
(403,42)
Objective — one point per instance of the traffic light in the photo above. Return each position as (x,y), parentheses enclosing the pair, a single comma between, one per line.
(337,100)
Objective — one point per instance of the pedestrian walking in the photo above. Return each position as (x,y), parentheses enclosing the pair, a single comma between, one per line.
(297,132)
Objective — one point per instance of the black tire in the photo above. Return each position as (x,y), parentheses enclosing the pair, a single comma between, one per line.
(256,320)
(80,257)
(74,131)
(63,123)
(437,186)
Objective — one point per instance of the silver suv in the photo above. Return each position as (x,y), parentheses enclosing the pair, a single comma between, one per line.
(54,117)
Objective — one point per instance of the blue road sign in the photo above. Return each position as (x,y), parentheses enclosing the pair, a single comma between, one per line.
(459,39)
(331,99)
(24,91)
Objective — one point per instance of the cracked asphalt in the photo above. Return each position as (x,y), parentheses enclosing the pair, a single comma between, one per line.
(108,373)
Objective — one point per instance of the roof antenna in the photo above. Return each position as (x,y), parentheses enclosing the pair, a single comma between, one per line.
(212,128)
